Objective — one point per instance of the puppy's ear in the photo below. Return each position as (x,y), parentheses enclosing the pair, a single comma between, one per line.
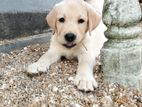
(93,18)
(52,17)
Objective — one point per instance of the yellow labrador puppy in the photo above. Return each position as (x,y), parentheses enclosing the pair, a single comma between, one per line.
(73,22)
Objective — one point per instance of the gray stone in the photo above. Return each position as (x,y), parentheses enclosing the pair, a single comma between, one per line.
(26,5)
(21,24)
(121,56)
(24,41)
(20,18)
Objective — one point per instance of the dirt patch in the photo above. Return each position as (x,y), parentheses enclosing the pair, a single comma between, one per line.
(55,88)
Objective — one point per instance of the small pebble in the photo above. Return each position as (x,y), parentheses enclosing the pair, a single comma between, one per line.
(4,86)
(60,80)
(137,98)
(70,79)
(55,89)
(43,105)
(122,106)
(95,105)
(75,105)
(107,101)
(13,69)
(111,89)
(3,55)
(25,48)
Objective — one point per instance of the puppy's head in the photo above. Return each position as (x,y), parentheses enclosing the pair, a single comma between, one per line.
(71,20)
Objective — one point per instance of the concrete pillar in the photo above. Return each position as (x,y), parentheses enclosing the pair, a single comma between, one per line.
(121,56)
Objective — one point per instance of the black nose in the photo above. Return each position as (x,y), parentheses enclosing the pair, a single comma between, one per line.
(70,37)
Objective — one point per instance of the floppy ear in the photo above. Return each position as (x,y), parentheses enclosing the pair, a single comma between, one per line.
(51,18)
(93,18)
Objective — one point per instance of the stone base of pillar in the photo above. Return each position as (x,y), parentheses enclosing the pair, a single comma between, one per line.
(122,63)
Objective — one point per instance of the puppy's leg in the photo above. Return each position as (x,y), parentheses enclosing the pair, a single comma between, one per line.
(84,79)
(42,65)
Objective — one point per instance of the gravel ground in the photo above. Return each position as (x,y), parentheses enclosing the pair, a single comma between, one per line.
(55,88)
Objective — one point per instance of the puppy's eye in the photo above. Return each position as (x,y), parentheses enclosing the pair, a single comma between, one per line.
(81,21)
(62,20)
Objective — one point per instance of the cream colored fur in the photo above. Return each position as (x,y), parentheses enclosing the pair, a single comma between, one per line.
(89,39)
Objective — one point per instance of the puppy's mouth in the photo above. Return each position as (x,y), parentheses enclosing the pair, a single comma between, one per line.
(69,45)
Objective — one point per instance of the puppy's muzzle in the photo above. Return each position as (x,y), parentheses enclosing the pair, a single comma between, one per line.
(70,38)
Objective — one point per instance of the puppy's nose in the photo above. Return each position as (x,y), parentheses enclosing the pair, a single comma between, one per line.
(70,37)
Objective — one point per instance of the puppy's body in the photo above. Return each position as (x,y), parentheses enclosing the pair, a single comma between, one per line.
(75,20)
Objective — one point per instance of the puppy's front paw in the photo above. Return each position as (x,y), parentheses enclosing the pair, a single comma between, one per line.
(37,67)
(85,82)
